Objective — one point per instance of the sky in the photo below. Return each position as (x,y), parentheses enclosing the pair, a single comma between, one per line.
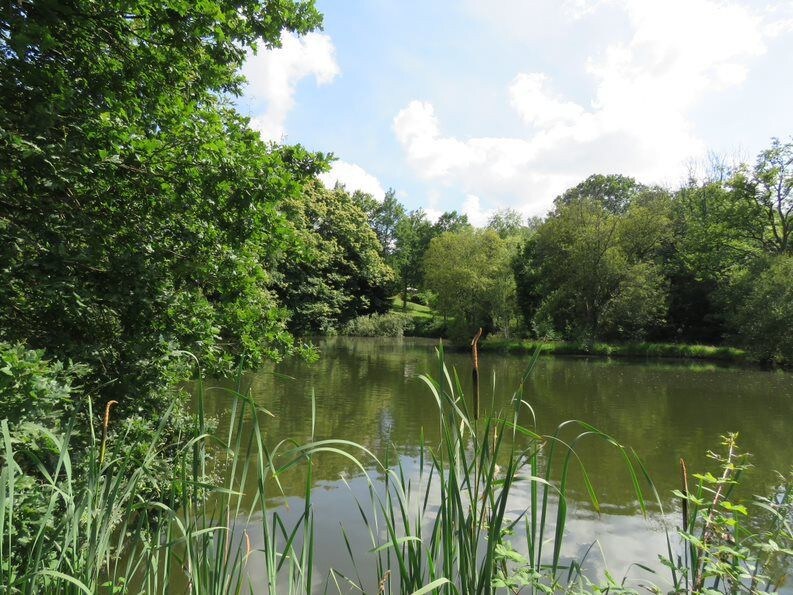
(481,105)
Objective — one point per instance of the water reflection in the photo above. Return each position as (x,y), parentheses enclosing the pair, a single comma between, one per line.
(368,391)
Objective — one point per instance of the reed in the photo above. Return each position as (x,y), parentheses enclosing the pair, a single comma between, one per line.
(485,511)
(101,531)
(449,530)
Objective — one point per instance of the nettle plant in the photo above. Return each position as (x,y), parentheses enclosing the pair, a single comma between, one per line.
(730,547)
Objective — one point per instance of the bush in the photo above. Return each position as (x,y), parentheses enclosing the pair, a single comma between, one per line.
(390,324)
(46,411)
(36,396)
(434,328)
(762,321)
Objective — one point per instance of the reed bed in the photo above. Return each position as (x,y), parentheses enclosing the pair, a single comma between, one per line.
(482,510)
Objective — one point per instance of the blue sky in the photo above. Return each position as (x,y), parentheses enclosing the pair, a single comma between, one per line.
(479,105)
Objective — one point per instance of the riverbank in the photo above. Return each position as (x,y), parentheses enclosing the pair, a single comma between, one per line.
(731,355)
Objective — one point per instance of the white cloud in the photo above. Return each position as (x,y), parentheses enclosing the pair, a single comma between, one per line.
(473,209)
(679,53)
(530,97)
(353,177)
(273,76)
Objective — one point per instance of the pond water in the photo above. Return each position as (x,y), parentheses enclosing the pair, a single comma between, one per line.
(369,391)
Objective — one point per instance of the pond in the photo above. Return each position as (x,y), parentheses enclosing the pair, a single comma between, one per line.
(369,391)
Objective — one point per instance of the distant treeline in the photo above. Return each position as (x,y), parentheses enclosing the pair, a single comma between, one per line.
(616,260)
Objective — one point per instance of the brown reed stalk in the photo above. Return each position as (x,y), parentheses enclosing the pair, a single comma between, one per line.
(105,424)
(381,586)
(475,355)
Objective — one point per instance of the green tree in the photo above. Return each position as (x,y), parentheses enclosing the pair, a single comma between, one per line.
(470,271)
(384,218)
(638,304)
(591,270)
(138,211)
(506,222)
(767,193)
(413,235)
(613,191)
(760,311)
(337,273)
(451,221)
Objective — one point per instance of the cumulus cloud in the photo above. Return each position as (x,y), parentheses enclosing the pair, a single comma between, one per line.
(636,120)
(353,177)
(473,209)
(273,76)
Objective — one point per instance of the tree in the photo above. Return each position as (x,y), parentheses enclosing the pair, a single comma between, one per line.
(470,271)
(451,221)
(638,304)
(413,235)
(613,191)
(526,268)
(761,312)
(338,273)
(138,210)
(767,191)
(384,218)
(506,222)
(590,270)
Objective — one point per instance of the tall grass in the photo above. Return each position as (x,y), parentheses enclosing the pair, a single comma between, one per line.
(450,529)
(101,531)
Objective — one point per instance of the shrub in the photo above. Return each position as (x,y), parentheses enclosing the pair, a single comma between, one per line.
(390,324)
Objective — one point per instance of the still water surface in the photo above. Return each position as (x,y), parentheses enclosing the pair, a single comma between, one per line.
(368,391)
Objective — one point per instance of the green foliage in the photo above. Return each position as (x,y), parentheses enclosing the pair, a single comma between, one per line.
(762,317)
(138,211)
(390,324)
(93,527)
(639,303)
(451,221)
(766,191)
(630,350)
(727,549)
(413,236)
(613,192)
(336,273)
(506,223)
(589,271)
(471,274)
(384,217)
(33,388)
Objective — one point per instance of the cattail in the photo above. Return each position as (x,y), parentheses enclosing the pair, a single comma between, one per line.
(105,424)
(475,355)
(381,586)
(684,473)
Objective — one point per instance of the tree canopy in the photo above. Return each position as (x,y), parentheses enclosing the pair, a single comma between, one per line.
(139,211)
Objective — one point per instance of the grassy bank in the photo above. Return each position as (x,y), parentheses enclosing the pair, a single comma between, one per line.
(731,355)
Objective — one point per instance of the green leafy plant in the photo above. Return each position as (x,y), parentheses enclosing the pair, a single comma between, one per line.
(726,548)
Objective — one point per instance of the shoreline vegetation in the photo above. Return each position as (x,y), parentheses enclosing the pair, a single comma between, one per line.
(421,321)
(674,351)
(102,530)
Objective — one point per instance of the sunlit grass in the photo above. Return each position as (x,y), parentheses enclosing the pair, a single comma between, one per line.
(641,349)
